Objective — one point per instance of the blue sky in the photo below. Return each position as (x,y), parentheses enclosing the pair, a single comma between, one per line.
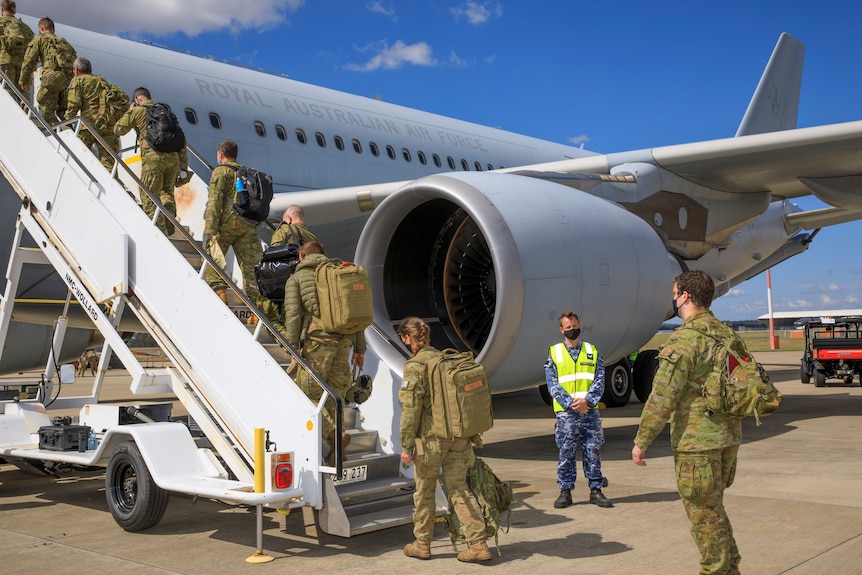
(615,76)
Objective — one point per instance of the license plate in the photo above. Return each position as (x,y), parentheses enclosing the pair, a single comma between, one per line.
(352,475)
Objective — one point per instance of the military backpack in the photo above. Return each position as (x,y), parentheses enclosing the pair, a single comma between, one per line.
(60,56)
(253,194)
(164,133)
(13,41)
(460,396)
(344,296)
(737,386)
(113,103)
(277,264)
(494,496)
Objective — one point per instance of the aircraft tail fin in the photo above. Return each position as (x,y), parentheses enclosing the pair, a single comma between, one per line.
(775,103)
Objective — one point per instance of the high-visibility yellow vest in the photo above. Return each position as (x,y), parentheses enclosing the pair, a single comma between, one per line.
(574,377)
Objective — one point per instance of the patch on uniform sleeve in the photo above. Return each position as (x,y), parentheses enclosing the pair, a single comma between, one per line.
(669,354)
(405,384)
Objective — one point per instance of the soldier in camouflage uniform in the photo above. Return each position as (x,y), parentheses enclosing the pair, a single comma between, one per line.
(84,96)
(159,170)
(328,354)
(429,453)
(11,57)
(704,444)
(224,228)
(56,56)
(575,374)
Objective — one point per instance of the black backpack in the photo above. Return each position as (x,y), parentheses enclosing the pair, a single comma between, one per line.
(277,264)
(164,133)
(253,196)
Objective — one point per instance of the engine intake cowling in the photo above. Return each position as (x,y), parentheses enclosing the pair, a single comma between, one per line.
(491,260)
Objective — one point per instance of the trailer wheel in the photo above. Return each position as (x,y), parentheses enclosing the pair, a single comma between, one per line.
(135,501)
(804,376)
(819,378)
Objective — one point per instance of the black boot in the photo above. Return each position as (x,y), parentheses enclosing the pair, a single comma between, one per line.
(598,498)
(564,500)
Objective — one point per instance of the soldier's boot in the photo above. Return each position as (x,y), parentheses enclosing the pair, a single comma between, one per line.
(476,551)
(564,500)
(598,498)
(222,294)
(418,549)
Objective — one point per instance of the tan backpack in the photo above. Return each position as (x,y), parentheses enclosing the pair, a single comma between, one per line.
(344,296)
(460,396)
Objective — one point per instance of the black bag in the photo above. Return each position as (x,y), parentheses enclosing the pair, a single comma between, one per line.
(164,133)
(277,264)
(253,195)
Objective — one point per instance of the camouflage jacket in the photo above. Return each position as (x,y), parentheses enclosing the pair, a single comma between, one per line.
(24,30)
(284,235)
(41,49)
(684,364)
(301,307)
(415,398)
(219,212)
(84,93)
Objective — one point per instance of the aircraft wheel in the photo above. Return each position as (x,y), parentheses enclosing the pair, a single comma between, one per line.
(644,370)
(546,395)
(618,383)
(135,501)
(819,378)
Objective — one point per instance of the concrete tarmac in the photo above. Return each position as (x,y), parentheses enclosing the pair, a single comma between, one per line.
(796,507)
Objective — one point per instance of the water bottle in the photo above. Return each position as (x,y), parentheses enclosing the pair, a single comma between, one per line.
(241,193)
(92,440)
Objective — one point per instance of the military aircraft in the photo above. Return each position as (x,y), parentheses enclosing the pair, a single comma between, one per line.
(491,235)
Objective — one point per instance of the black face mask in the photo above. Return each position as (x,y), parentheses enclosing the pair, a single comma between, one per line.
(572,334)
(675,307)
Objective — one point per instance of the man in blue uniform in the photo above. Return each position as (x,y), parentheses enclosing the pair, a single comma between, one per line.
(575,373)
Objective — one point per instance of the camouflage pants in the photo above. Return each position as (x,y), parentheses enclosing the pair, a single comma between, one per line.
(13,71)
(246,246)
(701,478)
(585,429)
(159,174)
(331,363)
(456,458)
(51,97)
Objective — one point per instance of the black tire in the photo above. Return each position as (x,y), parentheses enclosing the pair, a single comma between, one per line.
(135,501)
(819,378)
(618,383)
(804,376)
(546,395)
(646,364)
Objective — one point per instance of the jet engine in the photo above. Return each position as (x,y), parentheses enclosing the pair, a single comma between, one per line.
(492,260)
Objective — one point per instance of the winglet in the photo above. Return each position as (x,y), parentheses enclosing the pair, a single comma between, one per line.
(775,103)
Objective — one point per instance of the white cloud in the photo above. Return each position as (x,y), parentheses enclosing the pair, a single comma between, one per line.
(735,293)
(826,300)
(476,13)
(578,140)
(390,58)
(378,8)
(833,287)
(798,304)
(162,17)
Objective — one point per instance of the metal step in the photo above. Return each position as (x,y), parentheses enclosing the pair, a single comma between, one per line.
(384,499)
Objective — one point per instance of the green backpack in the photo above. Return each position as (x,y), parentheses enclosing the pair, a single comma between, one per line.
(113,103)
(61,55)
(738,386)
(344,296)
(460,396)
(13,41)
(495,497)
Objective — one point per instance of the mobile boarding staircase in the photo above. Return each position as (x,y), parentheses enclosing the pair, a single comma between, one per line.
(266,447)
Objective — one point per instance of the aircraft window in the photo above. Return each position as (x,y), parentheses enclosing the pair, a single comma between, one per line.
(464,165)
(422,159)
(339,143)
(374,151)
(321,139)
(260,129)
(437,161)
(357,146)
(390,151)
(490,167)
(451,161)
(300,135)
(215,121)
(281,132)
(191,116)
(477,166)
(406,153)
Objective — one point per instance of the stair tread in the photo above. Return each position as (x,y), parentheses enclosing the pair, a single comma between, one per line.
(381,519)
